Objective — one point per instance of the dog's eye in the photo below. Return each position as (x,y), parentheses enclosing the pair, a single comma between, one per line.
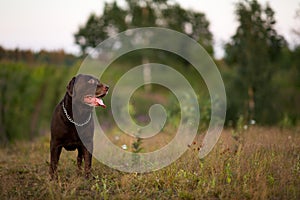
(92,81)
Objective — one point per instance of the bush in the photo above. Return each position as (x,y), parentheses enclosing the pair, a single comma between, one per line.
(28,96)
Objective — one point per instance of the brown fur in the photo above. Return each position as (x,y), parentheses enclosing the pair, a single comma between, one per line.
(64,133)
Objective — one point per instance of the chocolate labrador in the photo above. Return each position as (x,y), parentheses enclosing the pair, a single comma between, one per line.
(72,125)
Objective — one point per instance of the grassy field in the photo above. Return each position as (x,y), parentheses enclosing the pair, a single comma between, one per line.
(259,163)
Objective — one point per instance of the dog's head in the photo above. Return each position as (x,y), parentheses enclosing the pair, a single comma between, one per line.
(88,90)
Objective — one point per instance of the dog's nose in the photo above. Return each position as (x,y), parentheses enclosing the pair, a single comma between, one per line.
(106,87)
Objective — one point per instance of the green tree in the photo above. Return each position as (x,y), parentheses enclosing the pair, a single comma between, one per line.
(143,13)
(98,28)
(297,29)
(253,51)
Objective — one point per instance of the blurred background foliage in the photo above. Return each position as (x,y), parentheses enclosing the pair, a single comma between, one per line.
(260,69)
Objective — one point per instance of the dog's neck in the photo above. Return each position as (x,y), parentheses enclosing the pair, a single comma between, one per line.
(82,110)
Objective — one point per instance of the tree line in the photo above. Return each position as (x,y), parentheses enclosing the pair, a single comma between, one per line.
(59,57)
(261,73)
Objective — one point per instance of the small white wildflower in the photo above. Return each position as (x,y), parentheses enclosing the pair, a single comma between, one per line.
(252,122)
(124,146)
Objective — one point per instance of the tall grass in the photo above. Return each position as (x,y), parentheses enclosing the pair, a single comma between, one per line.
(263,164)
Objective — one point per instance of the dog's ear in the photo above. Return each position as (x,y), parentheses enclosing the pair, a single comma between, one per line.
(70,87)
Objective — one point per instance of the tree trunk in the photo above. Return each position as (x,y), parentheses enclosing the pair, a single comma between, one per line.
(251,103)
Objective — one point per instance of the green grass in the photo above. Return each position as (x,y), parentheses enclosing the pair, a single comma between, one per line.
(263,163)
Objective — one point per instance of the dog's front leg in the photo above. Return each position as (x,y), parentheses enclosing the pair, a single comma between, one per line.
(87,156)
(79,159)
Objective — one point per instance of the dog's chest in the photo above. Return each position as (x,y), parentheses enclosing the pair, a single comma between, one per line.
(71,146)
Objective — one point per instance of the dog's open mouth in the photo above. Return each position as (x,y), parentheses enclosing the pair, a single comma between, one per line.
(94,101)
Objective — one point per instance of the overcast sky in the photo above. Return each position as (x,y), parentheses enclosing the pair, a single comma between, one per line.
(41,24)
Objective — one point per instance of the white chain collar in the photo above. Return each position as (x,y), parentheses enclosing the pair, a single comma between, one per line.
(72,121)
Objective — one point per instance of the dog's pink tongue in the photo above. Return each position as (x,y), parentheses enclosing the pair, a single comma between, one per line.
(100,102)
